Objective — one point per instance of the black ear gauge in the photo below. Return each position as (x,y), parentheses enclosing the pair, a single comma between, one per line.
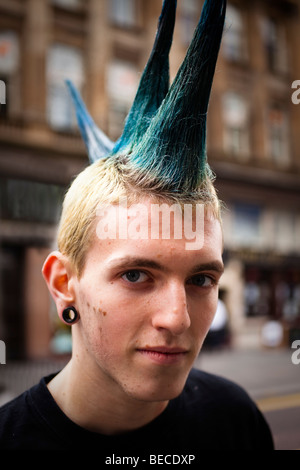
(70,315)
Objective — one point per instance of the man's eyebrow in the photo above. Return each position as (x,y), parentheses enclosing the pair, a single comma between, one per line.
(216,266)
(136,262)
(123,263)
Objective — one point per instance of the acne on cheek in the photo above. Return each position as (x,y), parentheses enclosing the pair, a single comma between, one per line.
(102,312)
(96,310)
(99,310)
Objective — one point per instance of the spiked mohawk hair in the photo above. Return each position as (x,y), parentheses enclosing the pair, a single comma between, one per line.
(161,154)
(163,144)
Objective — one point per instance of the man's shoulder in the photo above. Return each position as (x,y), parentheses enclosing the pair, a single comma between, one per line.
(209,396)
(12,408)
(12,417)
(22,422)
(221,414)
(204,385)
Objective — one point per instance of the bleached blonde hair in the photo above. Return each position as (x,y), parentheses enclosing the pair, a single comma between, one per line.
(104,183)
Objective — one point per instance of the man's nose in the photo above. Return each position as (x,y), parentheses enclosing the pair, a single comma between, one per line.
(172,313)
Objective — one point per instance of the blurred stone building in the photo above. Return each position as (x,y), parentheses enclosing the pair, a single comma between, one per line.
(253,145)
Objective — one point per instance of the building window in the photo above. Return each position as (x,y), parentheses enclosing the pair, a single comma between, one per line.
(9,74)
(274,37)
(122,83)
(69,4)
(246,224)
(257,293)
(285,232)
(278,144)
(123,13)
(30,201)
(236,123)
(189,20)
(63,62)
(234,39)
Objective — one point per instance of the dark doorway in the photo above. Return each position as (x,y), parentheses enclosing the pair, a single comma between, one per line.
(11,300)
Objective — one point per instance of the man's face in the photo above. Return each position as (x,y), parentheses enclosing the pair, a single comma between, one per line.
(145,308)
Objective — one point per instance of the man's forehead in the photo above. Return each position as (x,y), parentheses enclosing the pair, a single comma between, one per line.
(148,220)
(161,254)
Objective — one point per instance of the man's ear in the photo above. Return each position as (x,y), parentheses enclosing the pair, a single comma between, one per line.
(58,273)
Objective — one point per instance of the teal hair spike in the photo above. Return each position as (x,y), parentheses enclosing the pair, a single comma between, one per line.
(153,87)
(97,143)
(154,84)
(164,138)
(173,150)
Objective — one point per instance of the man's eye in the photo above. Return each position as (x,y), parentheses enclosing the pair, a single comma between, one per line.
(201,280)
(135,276)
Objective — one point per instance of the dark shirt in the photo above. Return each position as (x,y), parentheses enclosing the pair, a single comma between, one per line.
(211,413)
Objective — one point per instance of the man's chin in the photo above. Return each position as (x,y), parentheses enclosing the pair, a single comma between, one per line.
(160,392)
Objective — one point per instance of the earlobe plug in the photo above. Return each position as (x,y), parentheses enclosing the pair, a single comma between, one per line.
(70,315)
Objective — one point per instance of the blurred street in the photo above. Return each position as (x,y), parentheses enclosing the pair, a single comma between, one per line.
(269,376)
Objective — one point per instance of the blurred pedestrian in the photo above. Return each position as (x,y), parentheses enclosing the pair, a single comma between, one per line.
(218,335)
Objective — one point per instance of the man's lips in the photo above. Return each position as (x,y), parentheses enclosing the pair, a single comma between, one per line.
(163,355)
(164,349)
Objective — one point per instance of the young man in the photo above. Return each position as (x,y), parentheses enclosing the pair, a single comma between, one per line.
(140,290)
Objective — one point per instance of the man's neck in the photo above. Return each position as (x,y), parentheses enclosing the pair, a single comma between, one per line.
(97,405)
